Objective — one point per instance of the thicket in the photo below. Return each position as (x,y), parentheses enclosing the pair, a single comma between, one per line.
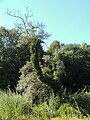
(14,106)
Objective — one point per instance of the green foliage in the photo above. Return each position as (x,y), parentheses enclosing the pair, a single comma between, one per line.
(35,58)
(30,86)
(66,65)
(11,57)
(12,105)
(48,108)
(75,68)
(61,68)
(67,110)
(83,101)
(54,47)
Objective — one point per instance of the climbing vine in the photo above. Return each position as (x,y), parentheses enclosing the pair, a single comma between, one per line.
(35,58)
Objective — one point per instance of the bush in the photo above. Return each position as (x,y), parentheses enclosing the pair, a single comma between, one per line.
(83,101)
(48,108)
(12,105)
(30,86)
(68,111)
(16,107)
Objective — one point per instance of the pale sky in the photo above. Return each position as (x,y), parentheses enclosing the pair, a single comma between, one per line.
(66,20)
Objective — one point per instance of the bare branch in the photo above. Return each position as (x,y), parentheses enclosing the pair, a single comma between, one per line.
(19,16)
(27,27)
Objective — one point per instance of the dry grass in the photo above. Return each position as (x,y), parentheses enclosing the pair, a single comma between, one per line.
(72,118)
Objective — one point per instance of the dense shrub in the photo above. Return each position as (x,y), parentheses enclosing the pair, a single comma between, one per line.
(68,110)
(17,107)
(30,86)
(12,105)
(83,101)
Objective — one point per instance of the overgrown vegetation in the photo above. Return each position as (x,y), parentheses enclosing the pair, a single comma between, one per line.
(42,85)
(19,107)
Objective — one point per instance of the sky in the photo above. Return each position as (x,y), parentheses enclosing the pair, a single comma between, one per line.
(68,21)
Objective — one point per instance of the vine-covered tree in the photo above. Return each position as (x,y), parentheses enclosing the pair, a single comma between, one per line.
(67,65)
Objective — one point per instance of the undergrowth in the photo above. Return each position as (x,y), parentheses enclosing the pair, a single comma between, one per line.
(17,107)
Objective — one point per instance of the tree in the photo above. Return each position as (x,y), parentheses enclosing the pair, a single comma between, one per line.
(77,66)
(70,63)
(12,58)
(54,47)
(61,64)
(35,35)
(30,86)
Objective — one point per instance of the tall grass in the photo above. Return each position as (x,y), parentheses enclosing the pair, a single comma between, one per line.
(16,107)
(12,105)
